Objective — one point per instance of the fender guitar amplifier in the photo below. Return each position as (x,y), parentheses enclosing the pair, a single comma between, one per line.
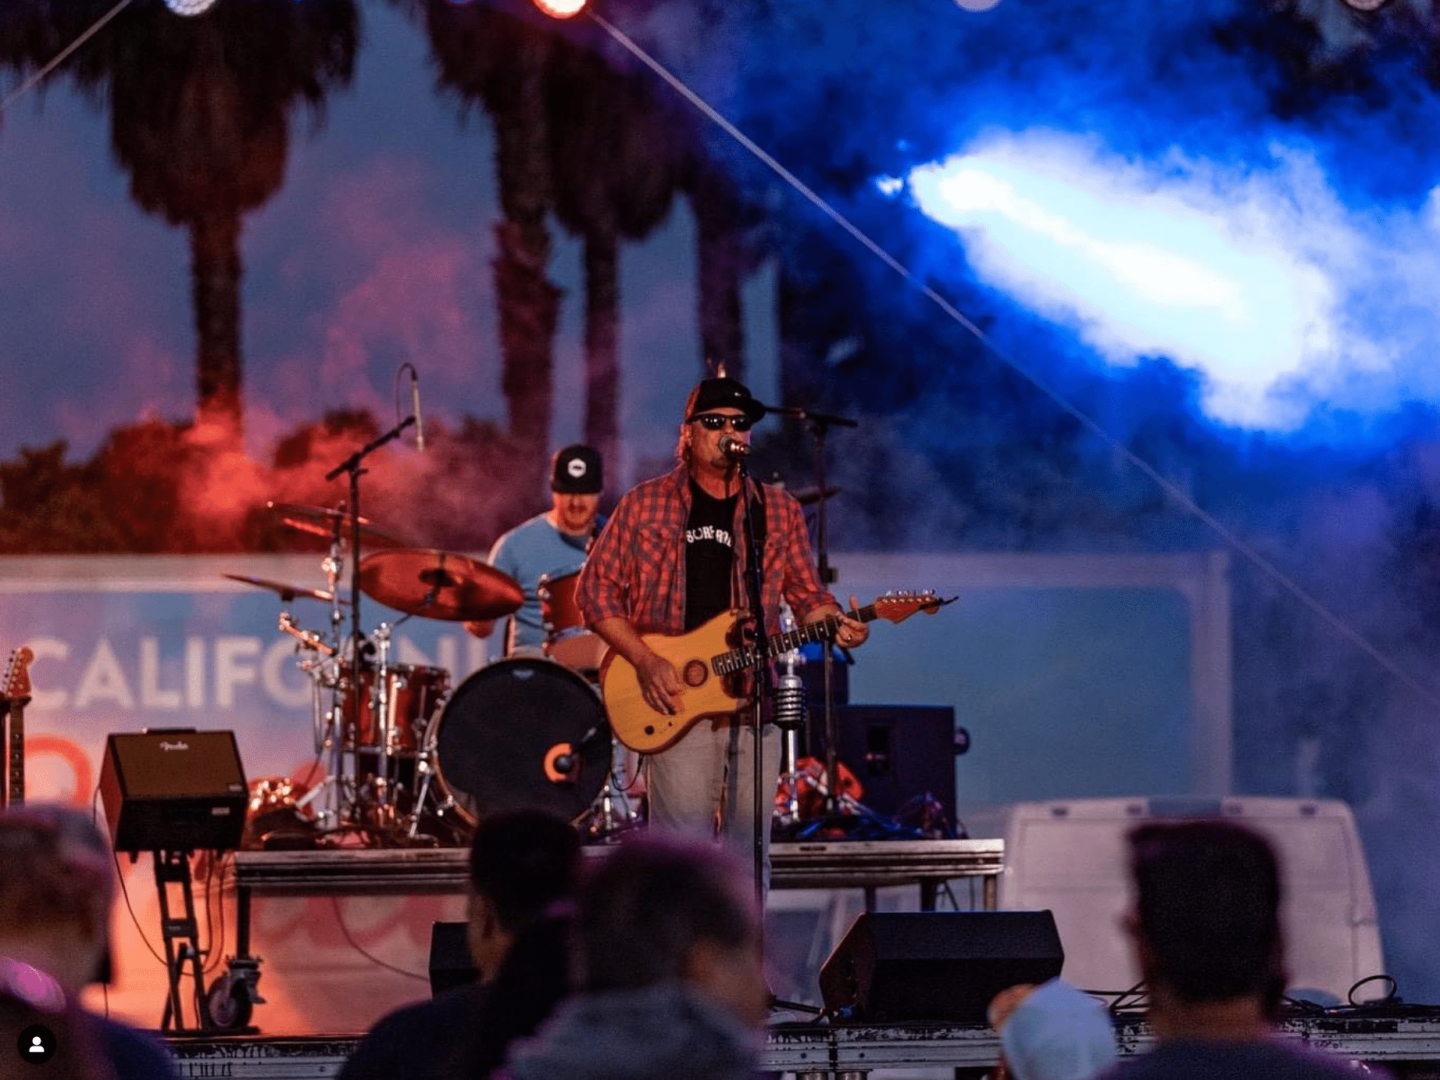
(175,790)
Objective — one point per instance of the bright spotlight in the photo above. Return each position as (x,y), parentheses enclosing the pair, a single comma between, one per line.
(561,9)
(189,7)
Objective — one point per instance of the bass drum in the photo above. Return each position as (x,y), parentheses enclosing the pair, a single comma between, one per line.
(525,733)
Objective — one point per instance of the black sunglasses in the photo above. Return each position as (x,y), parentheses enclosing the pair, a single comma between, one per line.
(717,422)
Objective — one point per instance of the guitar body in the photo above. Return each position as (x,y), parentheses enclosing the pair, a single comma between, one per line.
(714,666)
(705,693)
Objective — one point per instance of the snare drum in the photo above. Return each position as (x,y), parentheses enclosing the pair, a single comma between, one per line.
(413,695)
(523,733)
(566,638)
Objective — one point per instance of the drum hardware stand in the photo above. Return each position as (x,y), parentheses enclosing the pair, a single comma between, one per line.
(613,812)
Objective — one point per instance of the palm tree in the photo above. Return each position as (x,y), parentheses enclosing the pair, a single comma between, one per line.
(200,117)
(617,154)
(500,59)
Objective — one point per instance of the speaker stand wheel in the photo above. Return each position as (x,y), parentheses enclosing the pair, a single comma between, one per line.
(232,997)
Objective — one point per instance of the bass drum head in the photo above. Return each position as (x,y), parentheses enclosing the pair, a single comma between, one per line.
(502,742)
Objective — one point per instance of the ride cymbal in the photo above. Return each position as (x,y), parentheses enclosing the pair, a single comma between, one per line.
(287,592)
(439,585)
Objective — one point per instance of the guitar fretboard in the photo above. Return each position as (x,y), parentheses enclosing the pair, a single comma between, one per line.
(822,630)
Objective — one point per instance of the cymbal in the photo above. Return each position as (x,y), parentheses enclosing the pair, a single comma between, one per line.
(439,585)
(810,495)
(322,521)
(287,592)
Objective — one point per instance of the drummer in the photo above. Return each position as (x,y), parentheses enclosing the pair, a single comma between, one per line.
(550,544)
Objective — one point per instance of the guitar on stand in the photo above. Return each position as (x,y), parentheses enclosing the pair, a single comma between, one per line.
(709,659)
(15,694)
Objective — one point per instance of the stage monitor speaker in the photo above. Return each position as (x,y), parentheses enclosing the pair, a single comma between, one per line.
(898,752)
(174,790)
(450,961)
(915,966)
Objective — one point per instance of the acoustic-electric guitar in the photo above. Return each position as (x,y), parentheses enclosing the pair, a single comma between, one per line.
(711,660)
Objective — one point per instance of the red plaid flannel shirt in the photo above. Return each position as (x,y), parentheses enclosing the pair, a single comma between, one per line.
(636,568)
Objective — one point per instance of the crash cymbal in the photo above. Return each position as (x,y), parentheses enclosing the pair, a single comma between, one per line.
(809,496)
(287,592)
(322,521)
(438,585)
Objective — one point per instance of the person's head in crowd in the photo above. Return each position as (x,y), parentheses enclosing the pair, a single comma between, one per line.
(661,910)
(1052,1032)
(577,478)
(521,863)
(56,887)
(532,981)
(1206,918)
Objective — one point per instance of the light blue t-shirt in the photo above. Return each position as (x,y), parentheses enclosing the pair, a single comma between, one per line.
(526,552)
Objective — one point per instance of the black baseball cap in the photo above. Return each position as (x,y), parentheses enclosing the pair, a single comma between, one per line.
(577,470)
(723,392)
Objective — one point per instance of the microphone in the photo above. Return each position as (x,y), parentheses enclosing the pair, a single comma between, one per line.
(792,703)
(733,448)
(415,409)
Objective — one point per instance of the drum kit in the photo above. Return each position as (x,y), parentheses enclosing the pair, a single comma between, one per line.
(409,759)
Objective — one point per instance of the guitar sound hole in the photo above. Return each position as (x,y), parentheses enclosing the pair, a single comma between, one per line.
(695,673)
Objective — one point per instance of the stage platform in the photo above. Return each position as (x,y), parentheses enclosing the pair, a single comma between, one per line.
(1406,1044)
(840,864)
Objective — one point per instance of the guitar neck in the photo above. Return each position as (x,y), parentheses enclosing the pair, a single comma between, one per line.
(15,782)
(805,634)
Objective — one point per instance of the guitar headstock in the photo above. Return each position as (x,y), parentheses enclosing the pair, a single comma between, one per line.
(16,687)
(899,606)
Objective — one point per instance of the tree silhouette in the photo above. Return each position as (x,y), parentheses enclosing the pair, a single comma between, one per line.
(200,117)
(498,59)
(617,156)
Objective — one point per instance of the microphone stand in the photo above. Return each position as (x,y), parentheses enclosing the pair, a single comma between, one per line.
(820,425)
(351,465)
(764,683)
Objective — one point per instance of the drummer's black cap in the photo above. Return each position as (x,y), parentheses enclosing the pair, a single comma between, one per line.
(723,392)
(577,471)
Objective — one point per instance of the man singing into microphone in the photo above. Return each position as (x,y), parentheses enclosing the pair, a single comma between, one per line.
(672,558)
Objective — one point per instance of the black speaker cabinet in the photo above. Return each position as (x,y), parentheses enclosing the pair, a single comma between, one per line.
(908,967)
(898,752)
(450,961)
(174,791)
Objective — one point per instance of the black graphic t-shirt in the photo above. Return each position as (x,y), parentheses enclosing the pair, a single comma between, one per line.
(709,556)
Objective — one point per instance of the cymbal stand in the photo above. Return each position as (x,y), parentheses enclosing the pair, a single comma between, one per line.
(352,466)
